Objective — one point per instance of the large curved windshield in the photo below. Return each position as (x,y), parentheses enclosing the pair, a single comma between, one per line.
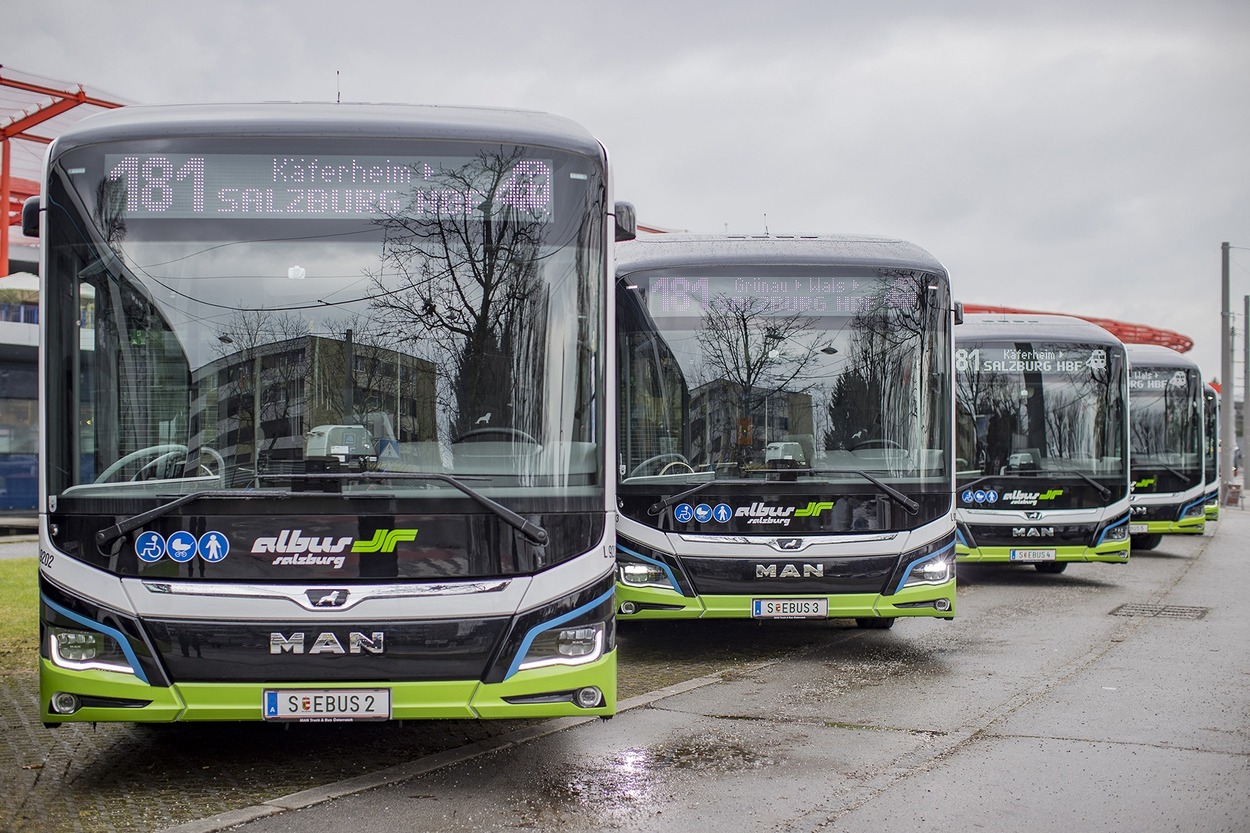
(1167,417)
(813,375)
(1052,411)
(235,314)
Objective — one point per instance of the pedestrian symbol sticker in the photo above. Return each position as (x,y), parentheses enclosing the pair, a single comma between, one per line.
(722,513)
(213,546)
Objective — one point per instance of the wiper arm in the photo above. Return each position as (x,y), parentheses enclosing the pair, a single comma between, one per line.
(894,494)
(530,530)
(1102,490)
(663,503)
(109,534)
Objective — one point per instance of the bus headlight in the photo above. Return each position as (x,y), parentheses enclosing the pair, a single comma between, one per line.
(937,569)
(1117,533)
(641,574)
(574,645)
(1195,510)
(80,650)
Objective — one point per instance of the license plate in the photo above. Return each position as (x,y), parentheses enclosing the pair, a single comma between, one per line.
(1033,555)
(1138,529)
(327,704)
(789,608)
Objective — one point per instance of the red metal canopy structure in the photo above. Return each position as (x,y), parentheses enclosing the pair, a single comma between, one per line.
(1127,332)
(28,102)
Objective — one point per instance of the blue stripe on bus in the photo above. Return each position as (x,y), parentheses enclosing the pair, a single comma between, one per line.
(554,623)
(105,629)
(668,572)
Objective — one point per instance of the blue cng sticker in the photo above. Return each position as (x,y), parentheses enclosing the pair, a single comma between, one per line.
(722,513)
(213,546)
(703,513)
(181,546)
(150,546)
(683,512)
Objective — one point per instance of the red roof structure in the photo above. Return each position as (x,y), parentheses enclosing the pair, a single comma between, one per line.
(1127,332)
(28,102)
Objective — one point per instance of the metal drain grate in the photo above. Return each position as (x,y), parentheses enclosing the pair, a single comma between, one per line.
(1161,611)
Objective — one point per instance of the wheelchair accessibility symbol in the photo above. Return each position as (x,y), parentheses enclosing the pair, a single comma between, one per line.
(684,513)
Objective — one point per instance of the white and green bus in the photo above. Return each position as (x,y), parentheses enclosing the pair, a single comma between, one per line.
(325,419)
(784,429)
(1167,445)
(1211,451)
(1041,439)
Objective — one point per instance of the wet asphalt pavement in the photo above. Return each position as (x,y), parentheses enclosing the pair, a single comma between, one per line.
(1105,698)
(1109,698)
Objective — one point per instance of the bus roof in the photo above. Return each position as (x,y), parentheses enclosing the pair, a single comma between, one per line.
(1155,355)
(319,119)
(1032,327)
(694,250)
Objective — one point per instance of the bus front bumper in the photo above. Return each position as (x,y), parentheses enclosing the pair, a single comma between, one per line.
(932,600)
(106,696)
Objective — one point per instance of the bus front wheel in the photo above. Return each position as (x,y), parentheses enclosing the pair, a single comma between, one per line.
(876,623)
(1146,542)
(1052,567)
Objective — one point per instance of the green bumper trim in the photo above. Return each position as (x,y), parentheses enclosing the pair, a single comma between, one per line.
(456,699)
(1186,526)
(656,603)
(1116,552)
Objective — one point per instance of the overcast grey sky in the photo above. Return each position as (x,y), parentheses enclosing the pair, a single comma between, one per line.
(1084,157)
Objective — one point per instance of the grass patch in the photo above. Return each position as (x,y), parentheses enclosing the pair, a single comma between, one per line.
(19,616)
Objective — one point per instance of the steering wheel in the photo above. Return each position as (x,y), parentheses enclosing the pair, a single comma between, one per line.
(156,455)
(513,434)
(673,459)
(877,443)
(202,470)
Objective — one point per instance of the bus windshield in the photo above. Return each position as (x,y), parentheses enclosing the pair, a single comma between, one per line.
(235,313)
(1167,417)
(1051,410)
(817,375)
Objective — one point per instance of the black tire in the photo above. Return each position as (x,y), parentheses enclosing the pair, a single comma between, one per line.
(876,623)
(1145,542)
(1052,567)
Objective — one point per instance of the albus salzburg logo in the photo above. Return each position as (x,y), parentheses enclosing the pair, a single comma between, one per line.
(761,513)
(293,548)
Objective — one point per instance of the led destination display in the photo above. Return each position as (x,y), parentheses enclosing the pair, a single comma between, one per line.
(179,186)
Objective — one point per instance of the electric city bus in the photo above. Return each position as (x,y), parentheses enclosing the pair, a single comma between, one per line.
(1211,451)
(784,429)
(1041,442)
(1166,436)
(325,415)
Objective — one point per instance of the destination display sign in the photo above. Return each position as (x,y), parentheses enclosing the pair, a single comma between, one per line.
(817,295)
(1158,379)
(311,186)
(1025,358)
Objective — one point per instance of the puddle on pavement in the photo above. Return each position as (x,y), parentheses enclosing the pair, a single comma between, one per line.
(636,782)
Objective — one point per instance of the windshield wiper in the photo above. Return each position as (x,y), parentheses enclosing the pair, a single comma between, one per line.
(663,503)
(1102,490)
(1176,472)
(894,494)
(109,534)
(530,530)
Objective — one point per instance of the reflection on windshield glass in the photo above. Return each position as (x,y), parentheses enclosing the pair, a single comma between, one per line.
(790,375)
(1031,408)
(1166,417)
(451,329)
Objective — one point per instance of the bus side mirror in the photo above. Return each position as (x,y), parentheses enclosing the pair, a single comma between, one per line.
(626,221)
(959,312)
(30,217)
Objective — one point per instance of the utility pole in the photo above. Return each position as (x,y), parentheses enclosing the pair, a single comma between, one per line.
(1227,436)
